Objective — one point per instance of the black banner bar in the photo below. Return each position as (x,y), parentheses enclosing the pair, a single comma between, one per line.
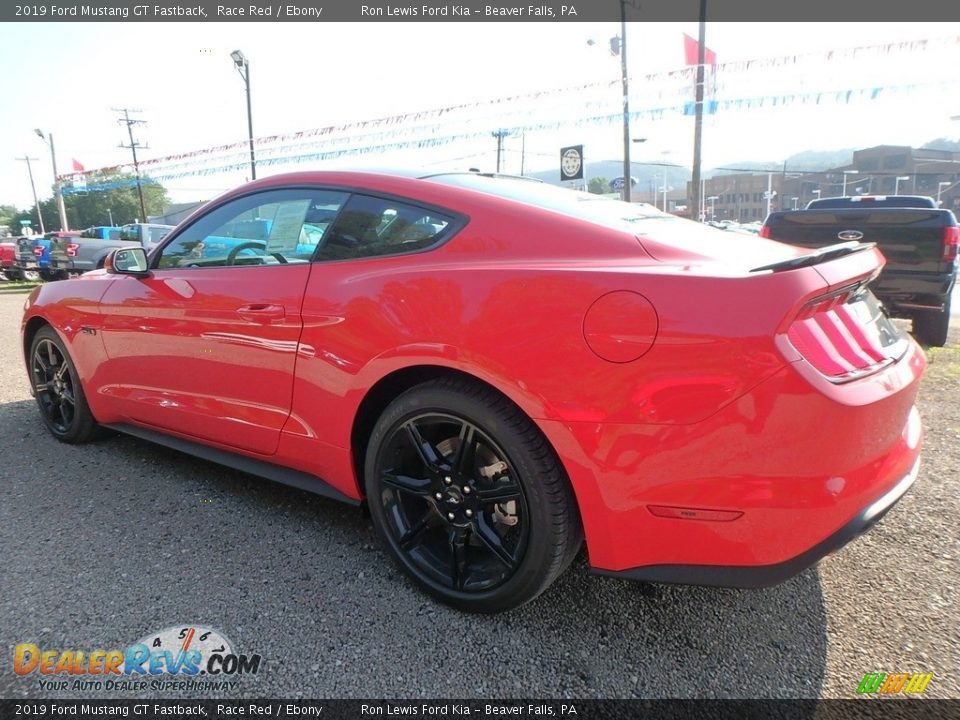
(483,709)
(855,11)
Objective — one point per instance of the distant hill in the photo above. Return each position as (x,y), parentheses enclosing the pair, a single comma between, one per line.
(810,160)
(943,144)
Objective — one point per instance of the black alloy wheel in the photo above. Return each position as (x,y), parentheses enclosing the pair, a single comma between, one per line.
(57,388)
(469,498)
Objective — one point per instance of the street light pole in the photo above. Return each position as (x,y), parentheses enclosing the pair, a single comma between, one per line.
(48,139)
(243,67)
(33,189)
(713,208)
(940,186)
(845,173)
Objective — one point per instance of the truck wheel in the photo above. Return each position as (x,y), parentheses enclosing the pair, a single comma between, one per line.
(931,328)
(30,275)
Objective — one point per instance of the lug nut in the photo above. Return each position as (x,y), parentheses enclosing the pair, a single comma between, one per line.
(439,496)
(469,512)
(467,490)
(450,516)
(448,480)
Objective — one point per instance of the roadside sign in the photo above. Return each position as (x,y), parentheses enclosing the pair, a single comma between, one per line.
(617,183)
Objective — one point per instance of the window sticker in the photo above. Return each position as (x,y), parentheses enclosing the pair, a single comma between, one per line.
(285,230)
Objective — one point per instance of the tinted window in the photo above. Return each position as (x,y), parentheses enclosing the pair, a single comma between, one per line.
(868,201)
(596,208)
(155,234)
(372,226)
(268,228)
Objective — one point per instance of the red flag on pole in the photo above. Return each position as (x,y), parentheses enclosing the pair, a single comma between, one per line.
(77,167)
(691,50)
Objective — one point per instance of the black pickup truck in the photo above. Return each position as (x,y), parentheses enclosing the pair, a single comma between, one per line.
(918,239)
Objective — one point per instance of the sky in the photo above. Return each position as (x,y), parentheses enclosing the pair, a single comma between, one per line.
(68,78)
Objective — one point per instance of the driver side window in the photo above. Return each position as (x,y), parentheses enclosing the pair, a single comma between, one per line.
(268,228)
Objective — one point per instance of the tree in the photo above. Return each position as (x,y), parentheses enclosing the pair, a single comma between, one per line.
(599,186)
(105,194)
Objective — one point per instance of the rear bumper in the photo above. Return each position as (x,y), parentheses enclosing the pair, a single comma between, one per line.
(905,292)
(790,471)
(758,576)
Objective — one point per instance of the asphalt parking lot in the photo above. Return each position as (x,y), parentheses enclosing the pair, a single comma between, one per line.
(105,543)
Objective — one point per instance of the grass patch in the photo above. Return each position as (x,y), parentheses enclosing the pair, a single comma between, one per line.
(17,286)
(943,363)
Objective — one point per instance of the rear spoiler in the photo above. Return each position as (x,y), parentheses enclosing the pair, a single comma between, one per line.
(831,252)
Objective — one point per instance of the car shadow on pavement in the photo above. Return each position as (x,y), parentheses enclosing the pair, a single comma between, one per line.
(300,580)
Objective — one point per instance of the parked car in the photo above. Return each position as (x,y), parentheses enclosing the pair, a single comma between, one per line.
(27,263)
(918,239)
(8,260)
(42,250)
(499,369)
(86,251)
(103,232)
(147,234)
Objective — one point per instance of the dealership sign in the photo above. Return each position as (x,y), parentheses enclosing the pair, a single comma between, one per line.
(571,163)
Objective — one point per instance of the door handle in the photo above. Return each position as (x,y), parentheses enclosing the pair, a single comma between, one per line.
(260,312)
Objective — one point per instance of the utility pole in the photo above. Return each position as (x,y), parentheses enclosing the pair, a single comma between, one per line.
(698,109)
(48,140)
(625,80)
(769,192)
(33,189)
(499,135)
(130,122)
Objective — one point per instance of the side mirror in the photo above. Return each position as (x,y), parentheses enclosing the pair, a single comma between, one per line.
(128,261)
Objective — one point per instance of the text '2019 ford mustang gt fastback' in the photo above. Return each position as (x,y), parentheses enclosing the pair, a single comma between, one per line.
(501,370)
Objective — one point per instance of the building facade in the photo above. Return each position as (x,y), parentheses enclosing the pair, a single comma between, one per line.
(880,170)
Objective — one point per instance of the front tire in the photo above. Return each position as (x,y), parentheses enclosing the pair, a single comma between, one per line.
(931,328)
(468,497)
(59,395)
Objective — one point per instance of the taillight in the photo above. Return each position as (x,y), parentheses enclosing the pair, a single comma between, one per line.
(765,231)
(845,335)
(951,241)
(72,249)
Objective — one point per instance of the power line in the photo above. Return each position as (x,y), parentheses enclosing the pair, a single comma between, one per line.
(130,122)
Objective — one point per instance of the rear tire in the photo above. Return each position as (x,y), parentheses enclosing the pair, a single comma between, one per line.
(59,394)
(468,497)
(931,328)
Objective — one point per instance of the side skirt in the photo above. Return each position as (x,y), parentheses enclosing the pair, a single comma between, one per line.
(260,468)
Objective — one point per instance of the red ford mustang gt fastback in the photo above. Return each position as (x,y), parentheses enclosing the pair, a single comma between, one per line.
(503,370)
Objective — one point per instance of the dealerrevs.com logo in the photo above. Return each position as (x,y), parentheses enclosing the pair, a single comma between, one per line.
(894,683)
(179,658)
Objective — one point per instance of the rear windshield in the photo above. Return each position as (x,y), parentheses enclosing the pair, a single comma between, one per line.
(596,208)
(883,201)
